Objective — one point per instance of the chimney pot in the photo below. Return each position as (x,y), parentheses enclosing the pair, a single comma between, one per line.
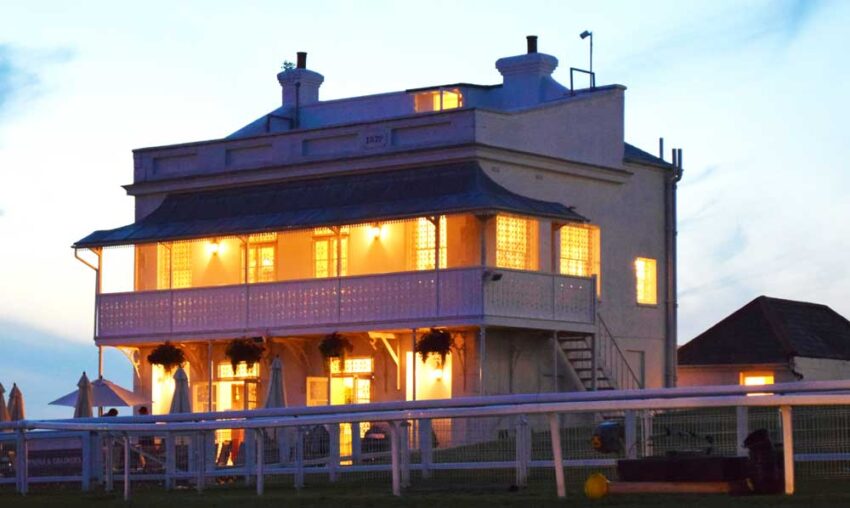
(531,41)
(302,60)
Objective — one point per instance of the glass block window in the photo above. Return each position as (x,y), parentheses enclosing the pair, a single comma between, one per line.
(514,237)
(580,251)
(174,265)
(646,281)
(425,240)
(325,251)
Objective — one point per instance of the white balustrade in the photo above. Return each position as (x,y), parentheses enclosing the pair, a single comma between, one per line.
(371,299)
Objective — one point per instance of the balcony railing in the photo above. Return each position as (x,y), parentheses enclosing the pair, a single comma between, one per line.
(422,298)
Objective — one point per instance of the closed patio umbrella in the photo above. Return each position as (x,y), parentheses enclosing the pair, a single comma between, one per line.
(105,393)
(4,411)
(276,397)
(181,402)
(16,404)
(83,407)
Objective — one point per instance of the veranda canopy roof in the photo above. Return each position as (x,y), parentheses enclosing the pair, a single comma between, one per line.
(336,200)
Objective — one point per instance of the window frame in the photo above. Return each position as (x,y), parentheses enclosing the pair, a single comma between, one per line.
(645,284)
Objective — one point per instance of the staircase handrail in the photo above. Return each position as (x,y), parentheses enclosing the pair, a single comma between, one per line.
(619,356)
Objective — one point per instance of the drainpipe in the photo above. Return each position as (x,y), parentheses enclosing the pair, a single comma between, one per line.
(98,269)
(671,304)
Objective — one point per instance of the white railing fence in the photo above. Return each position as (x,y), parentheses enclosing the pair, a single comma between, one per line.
(523,436)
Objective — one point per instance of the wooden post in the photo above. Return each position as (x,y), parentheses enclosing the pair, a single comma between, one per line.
(85,443)
(109,464)
(356,443)
(126,467)
(249,450)
(333,450)
(200,458)
(426,446)
(742,429)
(557,454)
(261,453)
(299,458)
(631,434)
(788,448)
(523,450)
(170,461)
(404,447)
(395,458)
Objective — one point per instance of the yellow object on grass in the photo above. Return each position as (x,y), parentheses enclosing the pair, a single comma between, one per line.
(596,486)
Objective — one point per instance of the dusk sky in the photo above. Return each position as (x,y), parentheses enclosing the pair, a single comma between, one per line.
(755,92)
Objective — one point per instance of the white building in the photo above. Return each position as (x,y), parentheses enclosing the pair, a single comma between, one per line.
(513,215)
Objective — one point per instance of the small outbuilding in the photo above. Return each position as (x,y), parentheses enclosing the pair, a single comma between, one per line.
(769,340)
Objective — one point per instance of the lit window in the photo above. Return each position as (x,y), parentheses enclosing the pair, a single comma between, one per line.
(325,251)
(580,251)
(262,250)
(424,242)
(225,371)
(514,242)
(756,378)
(646,281)
(437,100)
(174,265)
(352,365)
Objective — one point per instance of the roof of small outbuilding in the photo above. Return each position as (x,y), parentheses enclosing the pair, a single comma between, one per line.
(771,330)
(332,200)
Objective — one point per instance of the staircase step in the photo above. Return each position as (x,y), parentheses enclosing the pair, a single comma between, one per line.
(577,350)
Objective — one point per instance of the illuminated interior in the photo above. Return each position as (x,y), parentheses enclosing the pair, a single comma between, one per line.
(646,281)
(515,242)
(437,100)
(351,383)
(262,251)
(162,389)
(433,378)
(325,251)
(756,379)
(580,251)
(424,242)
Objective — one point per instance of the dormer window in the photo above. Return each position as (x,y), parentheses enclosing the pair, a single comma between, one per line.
(437,100)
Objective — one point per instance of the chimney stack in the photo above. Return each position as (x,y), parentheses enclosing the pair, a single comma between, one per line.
(527,79)
(531,42)
(300,85)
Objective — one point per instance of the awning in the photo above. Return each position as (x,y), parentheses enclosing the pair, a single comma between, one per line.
(327,201)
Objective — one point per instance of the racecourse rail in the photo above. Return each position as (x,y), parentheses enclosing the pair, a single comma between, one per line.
(196,431)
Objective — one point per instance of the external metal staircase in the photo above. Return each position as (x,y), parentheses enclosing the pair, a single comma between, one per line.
(597,360)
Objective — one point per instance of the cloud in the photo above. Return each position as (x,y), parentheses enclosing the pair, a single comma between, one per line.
(19,74)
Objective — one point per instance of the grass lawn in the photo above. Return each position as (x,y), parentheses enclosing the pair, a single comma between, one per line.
(376,494)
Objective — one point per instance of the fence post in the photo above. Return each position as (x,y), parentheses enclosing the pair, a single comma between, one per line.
(742,429)
(282,435)
(404,447)
(85,443)
(395,459)
(523,450)
(426,446)
(170,461)
(646,424)
(299,458)
(97,457)
(333,450)
(200,458)
(126,467)
(557,454)
(788,447)
(248,449)
(631,433)
(261,454)
(22,463)
(110,464)
(356,443)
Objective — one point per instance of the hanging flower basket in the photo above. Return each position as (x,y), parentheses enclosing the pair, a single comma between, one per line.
(249,351)
(335,346)
(434,342)
(167,355)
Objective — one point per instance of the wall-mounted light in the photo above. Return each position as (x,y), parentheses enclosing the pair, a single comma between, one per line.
(376,231)
(213,247)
